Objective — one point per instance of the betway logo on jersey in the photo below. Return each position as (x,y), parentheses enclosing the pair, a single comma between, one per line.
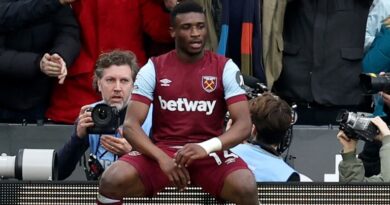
(185,105)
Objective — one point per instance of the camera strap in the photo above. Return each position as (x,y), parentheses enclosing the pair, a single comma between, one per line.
(85,167)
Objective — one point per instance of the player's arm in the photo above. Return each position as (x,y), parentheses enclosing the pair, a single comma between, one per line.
(132,129)
(238,107)
(241,125)
(137,111)
(136,136)
(136,114)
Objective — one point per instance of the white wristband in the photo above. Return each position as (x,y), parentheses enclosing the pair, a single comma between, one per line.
(211,145)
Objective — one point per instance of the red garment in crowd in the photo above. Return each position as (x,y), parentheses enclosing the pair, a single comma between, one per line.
(106,25)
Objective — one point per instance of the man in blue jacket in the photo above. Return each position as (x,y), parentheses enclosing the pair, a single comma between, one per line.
(113,77)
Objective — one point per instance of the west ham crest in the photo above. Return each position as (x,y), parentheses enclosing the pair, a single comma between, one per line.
(209,83)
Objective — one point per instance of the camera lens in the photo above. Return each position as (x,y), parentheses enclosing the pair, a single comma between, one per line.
(102,115)
(372,83)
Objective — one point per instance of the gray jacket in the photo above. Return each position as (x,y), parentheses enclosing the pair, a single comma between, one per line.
(351,169)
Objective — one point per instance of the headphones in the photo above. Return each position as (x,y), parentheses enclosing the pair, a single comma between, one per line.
(254,88)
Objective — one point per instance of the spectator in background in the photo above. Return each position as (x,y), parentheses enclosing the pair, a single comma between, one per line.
(113,77)
(323,50)
(351,169)
(376,60)
(379,11)
(370,153)
(376,45)
(271,118)
(106,25)
(38,40)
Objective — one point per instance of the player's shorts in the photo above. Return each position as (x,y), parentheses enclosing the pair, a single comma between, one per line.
(208,173)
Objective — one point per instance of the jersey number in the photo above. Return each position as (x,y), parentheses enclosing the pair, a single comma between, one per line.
(228,156)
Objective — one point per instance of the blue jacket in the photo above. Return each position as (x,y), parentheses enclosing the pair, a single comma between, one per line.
(265,166)
(376,60)
(72,151)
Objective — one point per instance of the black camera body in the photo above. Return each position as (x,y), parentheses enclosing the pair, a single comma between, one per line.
(106,119)
(357,125)
(259,89)
(373,83)
(253,87)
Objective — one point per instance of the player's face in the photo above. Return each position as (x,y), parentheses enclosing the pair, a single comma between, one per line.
(190,32)
(116,85)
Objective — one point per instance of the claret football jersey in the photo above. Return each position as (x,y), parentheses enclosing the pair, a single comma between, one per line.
(189,100)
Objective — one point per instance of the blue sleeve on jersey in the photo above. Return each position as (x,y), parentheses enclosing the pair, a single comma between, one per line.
(145,82)
(231,79)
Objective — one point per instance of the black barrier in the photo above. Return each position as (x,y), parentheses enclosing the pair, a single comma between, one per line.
(313,148)
(58,193)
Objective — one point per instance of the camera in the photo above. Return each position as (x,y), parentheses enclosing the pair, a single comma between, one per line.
(253,87)
(373,83)
(357,125)
(29,164)
(105,118)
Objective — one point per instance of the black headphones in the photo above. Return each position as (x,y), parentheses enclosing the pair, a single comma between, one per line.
(254,88)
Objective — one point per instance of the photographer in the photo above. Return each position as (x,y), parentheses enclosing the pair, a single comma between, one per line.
(272,118)
(113,77)
(378,85)
(351,169)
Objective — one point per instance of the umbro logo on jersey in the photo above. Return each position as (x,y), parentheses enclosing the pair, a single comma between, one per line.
(209,83)
(185,105)
(165,82)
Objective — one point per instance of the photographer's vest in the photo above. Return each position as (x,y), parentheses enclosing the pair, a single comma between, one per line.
(265,166)
(105,157)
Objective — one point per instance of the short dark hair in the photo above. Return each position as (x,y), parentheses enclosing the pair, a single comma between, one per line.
(185,6)
(272,118)
(115,57)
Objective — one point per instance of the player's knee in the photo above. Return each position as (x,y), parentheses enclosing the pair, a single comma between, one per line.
(113,182)
(246,187)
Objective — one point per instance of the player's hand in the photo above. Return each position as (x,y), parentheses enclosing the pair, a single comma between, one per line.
(179,177)
(190,152)
(118,146)
(84,121)
(349,145)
